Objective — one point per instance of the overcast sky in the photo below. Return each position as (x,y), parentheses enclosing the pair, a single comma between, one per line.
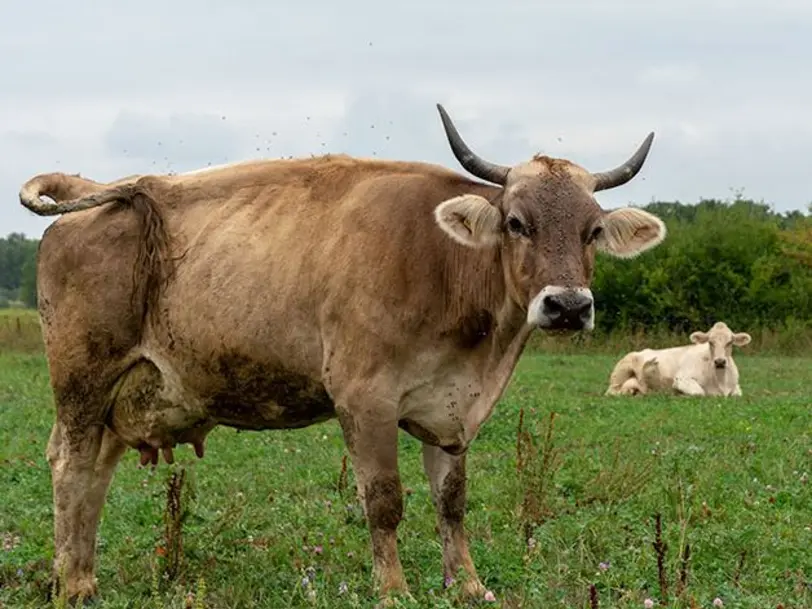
(108,89)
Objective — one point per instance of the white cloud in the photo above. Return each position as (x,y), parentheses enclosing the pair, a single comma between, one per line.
(669,75)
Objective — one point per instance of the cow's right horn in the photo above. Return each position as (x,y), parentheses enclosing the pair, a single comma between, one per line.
(496,174)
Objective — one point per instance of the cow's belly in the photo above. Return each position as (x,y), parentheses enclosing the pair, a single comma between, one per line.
(158,403)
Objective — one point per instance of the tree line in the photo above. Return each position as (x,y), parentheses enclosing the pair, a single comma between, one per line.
(18,272)
(737,261)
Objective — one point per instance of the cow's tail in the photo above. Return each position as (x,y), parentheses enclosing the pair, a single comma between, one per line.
(73,193)
(623,380)
(69,193)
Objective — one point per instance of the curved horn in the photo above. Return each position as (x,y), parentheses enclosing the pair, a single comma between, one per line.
(477,166)
(620,175)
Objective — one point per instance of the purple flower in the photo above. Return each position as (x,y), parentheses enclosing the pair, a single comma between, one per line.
(604,566)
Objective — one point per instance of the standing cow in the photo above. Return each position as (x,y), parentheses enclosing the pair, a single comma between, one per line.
(277,294)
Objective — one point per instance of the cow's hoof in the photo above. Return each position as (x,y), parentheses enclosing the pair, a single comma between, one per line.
(397,599)
(82,601)
(77,599)
(473,589)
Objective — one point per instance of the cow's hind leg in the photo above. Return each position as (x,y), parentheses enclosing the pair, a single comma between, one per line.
(82,462)
(371,437)
(446,474)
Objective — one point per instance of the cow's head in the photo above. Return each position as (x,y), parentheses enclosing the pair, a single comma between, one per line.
(548,225)
(720,339)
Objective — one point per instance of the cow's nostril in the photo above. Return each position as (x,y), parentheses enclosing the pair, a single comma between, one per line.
(552,306)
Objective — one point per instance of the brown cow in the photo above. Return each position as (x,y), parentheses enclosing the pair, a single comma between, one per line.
(281,293)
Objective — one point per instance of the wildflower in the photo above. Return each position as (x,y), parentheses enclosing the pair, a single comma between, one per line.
(604,566)
(448,581)
(489,597)
(305,581)
(717,602)
(342,588)
(648,603)
(318,549)
(531,543)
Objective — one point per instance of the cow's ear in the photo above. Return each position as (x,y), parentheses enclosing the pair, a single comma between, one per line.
(740,339)
(627,232)
(471,220)
(699,337)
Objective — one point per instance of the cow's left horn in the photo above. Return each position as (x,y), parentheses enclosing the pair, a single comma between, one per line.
(496,174)
(620,175)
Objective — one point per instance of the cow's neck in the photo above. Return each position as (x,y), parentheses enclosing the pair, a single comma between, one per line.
(479,280)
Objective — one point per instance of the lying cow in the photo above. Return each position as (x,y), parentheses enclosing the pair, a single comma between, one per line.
(703,368)
(278,294)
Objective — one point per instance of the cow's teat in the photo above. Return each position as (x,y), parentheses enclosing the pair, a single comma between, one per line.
(559,308)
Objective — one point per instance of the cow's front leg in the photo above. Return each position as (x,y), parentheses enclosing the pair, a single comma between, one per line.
(371,437)
(446,474)
(688,386)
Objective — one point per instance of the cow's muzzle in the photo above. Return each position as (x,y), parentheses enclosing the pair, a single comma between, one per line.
(720,363)
(559,308)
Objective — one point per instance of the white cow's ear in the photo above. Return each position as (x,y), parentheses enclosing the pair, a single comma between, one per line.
(470,220)
(627,232)
(699,337)
(740,339)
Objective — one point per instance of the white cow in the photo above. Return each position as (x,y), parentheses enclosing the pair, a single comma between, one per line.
(704,368)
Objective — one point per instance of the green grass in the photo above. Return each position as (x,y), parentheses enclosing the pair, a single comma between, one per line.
(20,331)
(728,477)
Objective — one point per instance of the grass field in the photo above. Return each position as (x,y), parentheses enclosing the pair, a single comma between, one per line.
(264,511)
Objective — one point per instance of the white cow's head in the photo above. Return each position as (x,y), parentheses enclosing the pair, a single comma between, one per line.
(720,340)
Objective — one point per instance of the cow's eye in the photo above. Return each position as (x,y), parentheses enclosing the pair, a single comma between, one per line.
(594,234)
(515,225)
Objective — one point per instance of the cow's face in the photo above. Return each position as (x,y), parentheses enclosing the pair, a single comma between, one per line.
(720,340)
(549,227)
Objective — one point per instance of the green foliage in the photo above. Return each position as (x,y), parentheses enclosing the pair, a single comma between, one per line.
(18,282)
(733,261)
